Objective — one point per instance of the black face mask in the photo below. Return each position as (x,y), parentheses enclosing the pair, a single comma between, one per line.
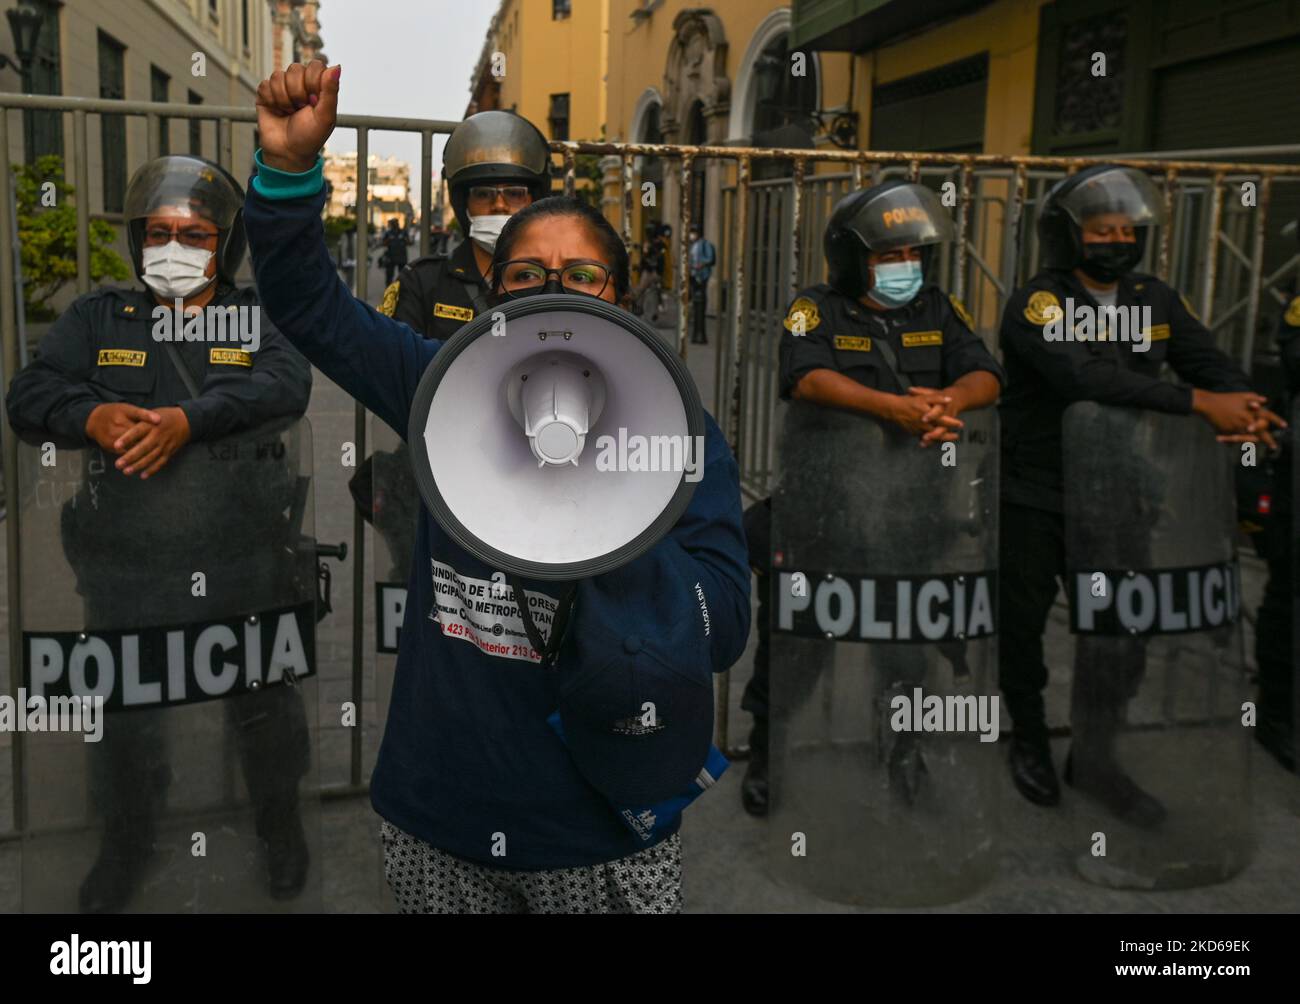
(1106,262)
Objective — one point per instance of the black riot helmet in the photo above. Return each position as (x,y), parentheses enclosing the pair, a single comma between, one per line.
(884,217)
(1094,191)
(196,185)
(493,147)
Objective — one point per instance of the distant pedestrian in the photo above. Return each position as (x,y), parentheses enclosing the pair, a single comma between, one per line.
(703,258)
(394,257)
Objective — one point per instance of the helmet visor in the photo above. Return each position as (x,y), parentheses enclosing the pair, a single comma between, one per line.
(1120,191)
(902,216)
(182,186)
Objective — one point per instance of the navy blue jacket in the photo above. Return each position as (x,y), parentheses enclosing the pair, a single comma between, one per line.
(467,753)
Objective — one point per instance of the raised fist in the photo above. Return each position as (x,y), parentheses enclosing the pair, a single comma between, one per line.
(296,110)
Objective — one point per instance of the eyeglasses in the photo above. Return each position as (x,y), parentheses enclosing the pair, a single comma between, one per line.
(524,276)
(514,196)
(194,237)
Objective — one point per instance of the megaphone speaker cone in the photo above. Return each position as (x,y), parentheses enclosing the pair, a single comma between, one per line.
(556,437)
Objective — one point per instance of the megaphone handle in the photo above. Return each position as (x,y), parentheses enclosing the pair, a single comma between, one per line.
(549,648)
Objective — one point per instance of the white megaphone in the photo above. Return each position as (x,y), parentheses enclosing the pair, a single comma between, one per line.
(556,437)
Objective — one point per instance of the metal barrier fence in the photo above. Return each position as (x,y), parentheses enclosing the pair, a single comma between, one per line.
(1212,246)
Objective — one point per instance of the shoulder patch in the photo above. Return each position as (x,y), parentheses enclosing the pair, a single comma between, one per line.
(1292,316)
(389,305)
(230,357)
(853,343)
(808,309)
(452,313)
(1043,306)
(1187,306)
(960,310)
(122,357)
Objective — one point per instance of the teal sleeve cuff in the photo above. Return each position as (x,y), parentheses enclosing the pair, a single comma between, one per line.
(272,183)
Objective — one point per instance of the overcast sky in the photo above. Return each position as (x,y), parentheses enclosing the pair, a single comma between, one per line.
(403,57)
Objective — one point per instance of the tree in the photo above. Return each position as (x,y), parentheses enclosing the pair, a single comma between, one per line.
(47,233)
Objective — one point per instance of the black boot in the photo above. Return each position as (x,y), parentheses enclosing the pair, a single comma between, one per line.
(1032,771)
(753,789)
(117,872)
(287,857)
(1118,792)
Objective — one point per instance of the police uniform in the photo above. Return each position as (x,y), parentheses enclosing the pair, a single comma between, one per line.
(1274,632)
(102,350)
(1045,377)
(125,546)
(437,294)
(928,342)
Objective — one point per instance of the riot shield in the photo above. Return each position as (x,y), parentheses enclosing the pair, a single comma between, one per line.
(884,698)
(168,685)
(1158,762)
(395,508)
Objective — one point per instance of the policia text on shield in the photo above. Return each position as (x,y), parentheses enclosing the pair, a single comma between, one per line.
(468,758)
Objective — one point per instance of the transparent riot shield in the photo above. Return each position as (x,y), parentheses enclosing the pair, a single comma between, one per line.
(1158,764)
(395,507)
(168,683)
(884,701)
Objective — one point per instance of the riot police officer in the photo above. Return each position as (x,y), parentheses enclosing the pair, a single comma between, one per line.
(878,339)
(106,376)
(495,163)
(1274,632)
(1092,230)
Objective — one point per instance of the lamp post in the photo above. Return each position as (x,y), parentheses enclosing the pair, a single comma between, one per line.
(25,26)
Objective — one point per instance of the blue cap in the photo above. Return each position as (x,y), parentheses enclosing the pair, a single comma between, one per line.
(638,713)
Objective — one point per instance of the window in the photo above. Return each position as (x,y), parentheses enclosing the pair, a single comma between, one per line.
(243,22)
(43,131)
(112,128)
(159,85)
(561,9)
(558,119)
(196,127)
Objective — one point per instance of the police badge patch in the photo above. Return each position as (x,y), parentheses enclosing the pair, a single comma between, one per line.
(1292,316)
(960,310)
(389,306)
(804,306)
(1042,307)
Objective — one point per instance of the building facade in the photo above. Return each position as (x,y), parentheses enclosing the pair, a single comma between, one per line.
(388,194)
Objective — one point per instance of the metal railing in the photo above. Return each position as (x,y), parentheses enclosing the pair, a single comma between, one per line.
(770,227)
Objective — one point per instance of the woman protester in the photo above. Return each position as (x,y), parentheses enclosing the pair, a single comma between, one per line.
(484,807)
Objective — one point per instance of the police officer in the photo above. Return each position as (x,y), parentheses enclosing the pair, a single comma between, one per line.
(394,257)
(495,163)
(1274,638)
(878,339)
(1092,231)
(102,379)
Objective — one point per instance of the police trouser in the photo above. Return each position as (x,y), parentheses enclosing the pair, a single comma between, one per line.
(1107,671)
(1274,641)
(130,772)
(699,303)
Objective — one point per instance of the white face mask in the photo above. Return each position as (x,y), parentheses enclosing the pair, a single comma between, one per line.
(484,230)
(176,271)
